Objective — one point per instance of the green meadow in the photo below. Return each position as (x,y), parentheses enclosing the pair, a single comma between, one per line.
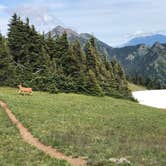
(97,128)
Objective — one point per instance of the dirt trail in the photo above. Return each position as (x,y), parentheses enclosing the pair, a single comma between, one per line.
(30,139)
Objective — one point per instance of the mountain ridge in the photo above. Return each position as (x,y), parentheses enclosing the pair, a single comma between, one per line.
(148,40)
(144,64)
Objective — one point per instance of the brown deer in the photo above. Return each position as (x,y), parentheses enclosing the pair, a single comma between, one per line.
(23,90)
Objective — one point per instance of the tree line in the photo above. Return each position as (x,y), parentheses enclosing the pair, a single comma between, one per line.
(52,64)
(147,81)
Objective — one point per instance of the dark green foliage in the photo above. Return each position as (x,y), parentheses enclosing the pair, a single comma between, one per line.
(93,58)
(54,65)
(28,50)
(110,77)
(7,69)
(93,86)
(53,89)
(61,51)
(51,51)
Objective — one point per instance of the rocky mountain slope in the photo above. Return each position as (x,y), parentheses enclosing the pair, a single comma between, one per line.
(144,63)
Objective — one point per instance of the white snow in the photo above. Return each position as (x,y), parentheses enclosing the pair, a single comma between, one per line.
(153,98)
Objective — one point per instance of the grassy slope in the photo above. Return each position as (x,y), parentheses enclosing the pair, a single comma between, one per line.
(97,127)
(13,151)
(134,87)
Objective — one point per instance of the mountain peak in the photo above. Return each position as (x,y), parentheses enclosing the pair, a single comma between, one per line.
(59,30)
(59,27)
(82,38)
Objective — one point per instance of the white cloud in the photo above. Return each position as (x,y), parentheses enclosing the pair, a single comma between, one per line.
(141,33)
(39,15)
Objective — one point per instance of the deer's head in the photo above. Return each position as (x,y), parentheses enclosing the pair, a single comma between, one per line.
(20,86)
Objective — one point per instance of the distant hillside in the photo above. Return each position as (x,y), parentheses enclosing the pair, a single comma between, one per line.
(148,40)
(145,64)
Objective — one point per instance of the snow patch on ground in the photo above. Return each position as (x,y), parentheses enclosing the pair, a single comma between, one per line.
(153,98)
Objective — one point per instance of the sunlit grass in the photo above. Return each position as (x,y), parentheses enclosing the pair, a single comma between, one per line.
(134,87)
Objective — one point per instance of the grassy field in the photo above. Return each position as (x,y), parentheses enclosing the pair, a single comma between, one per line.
(14,152)
(134,87)
(97,128)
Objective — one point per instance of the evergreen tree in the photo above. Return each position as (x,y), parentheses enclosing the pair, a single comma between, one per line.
(52,52)
(7,70)
(76,60)
(92,56)
(61,51)
(13,37)
(1,38)
(50,46)
(77,68)
(92,84)
(17,42)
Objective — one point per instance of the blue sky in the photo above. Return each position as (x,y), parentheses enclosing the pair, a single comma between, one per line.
(112,21)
